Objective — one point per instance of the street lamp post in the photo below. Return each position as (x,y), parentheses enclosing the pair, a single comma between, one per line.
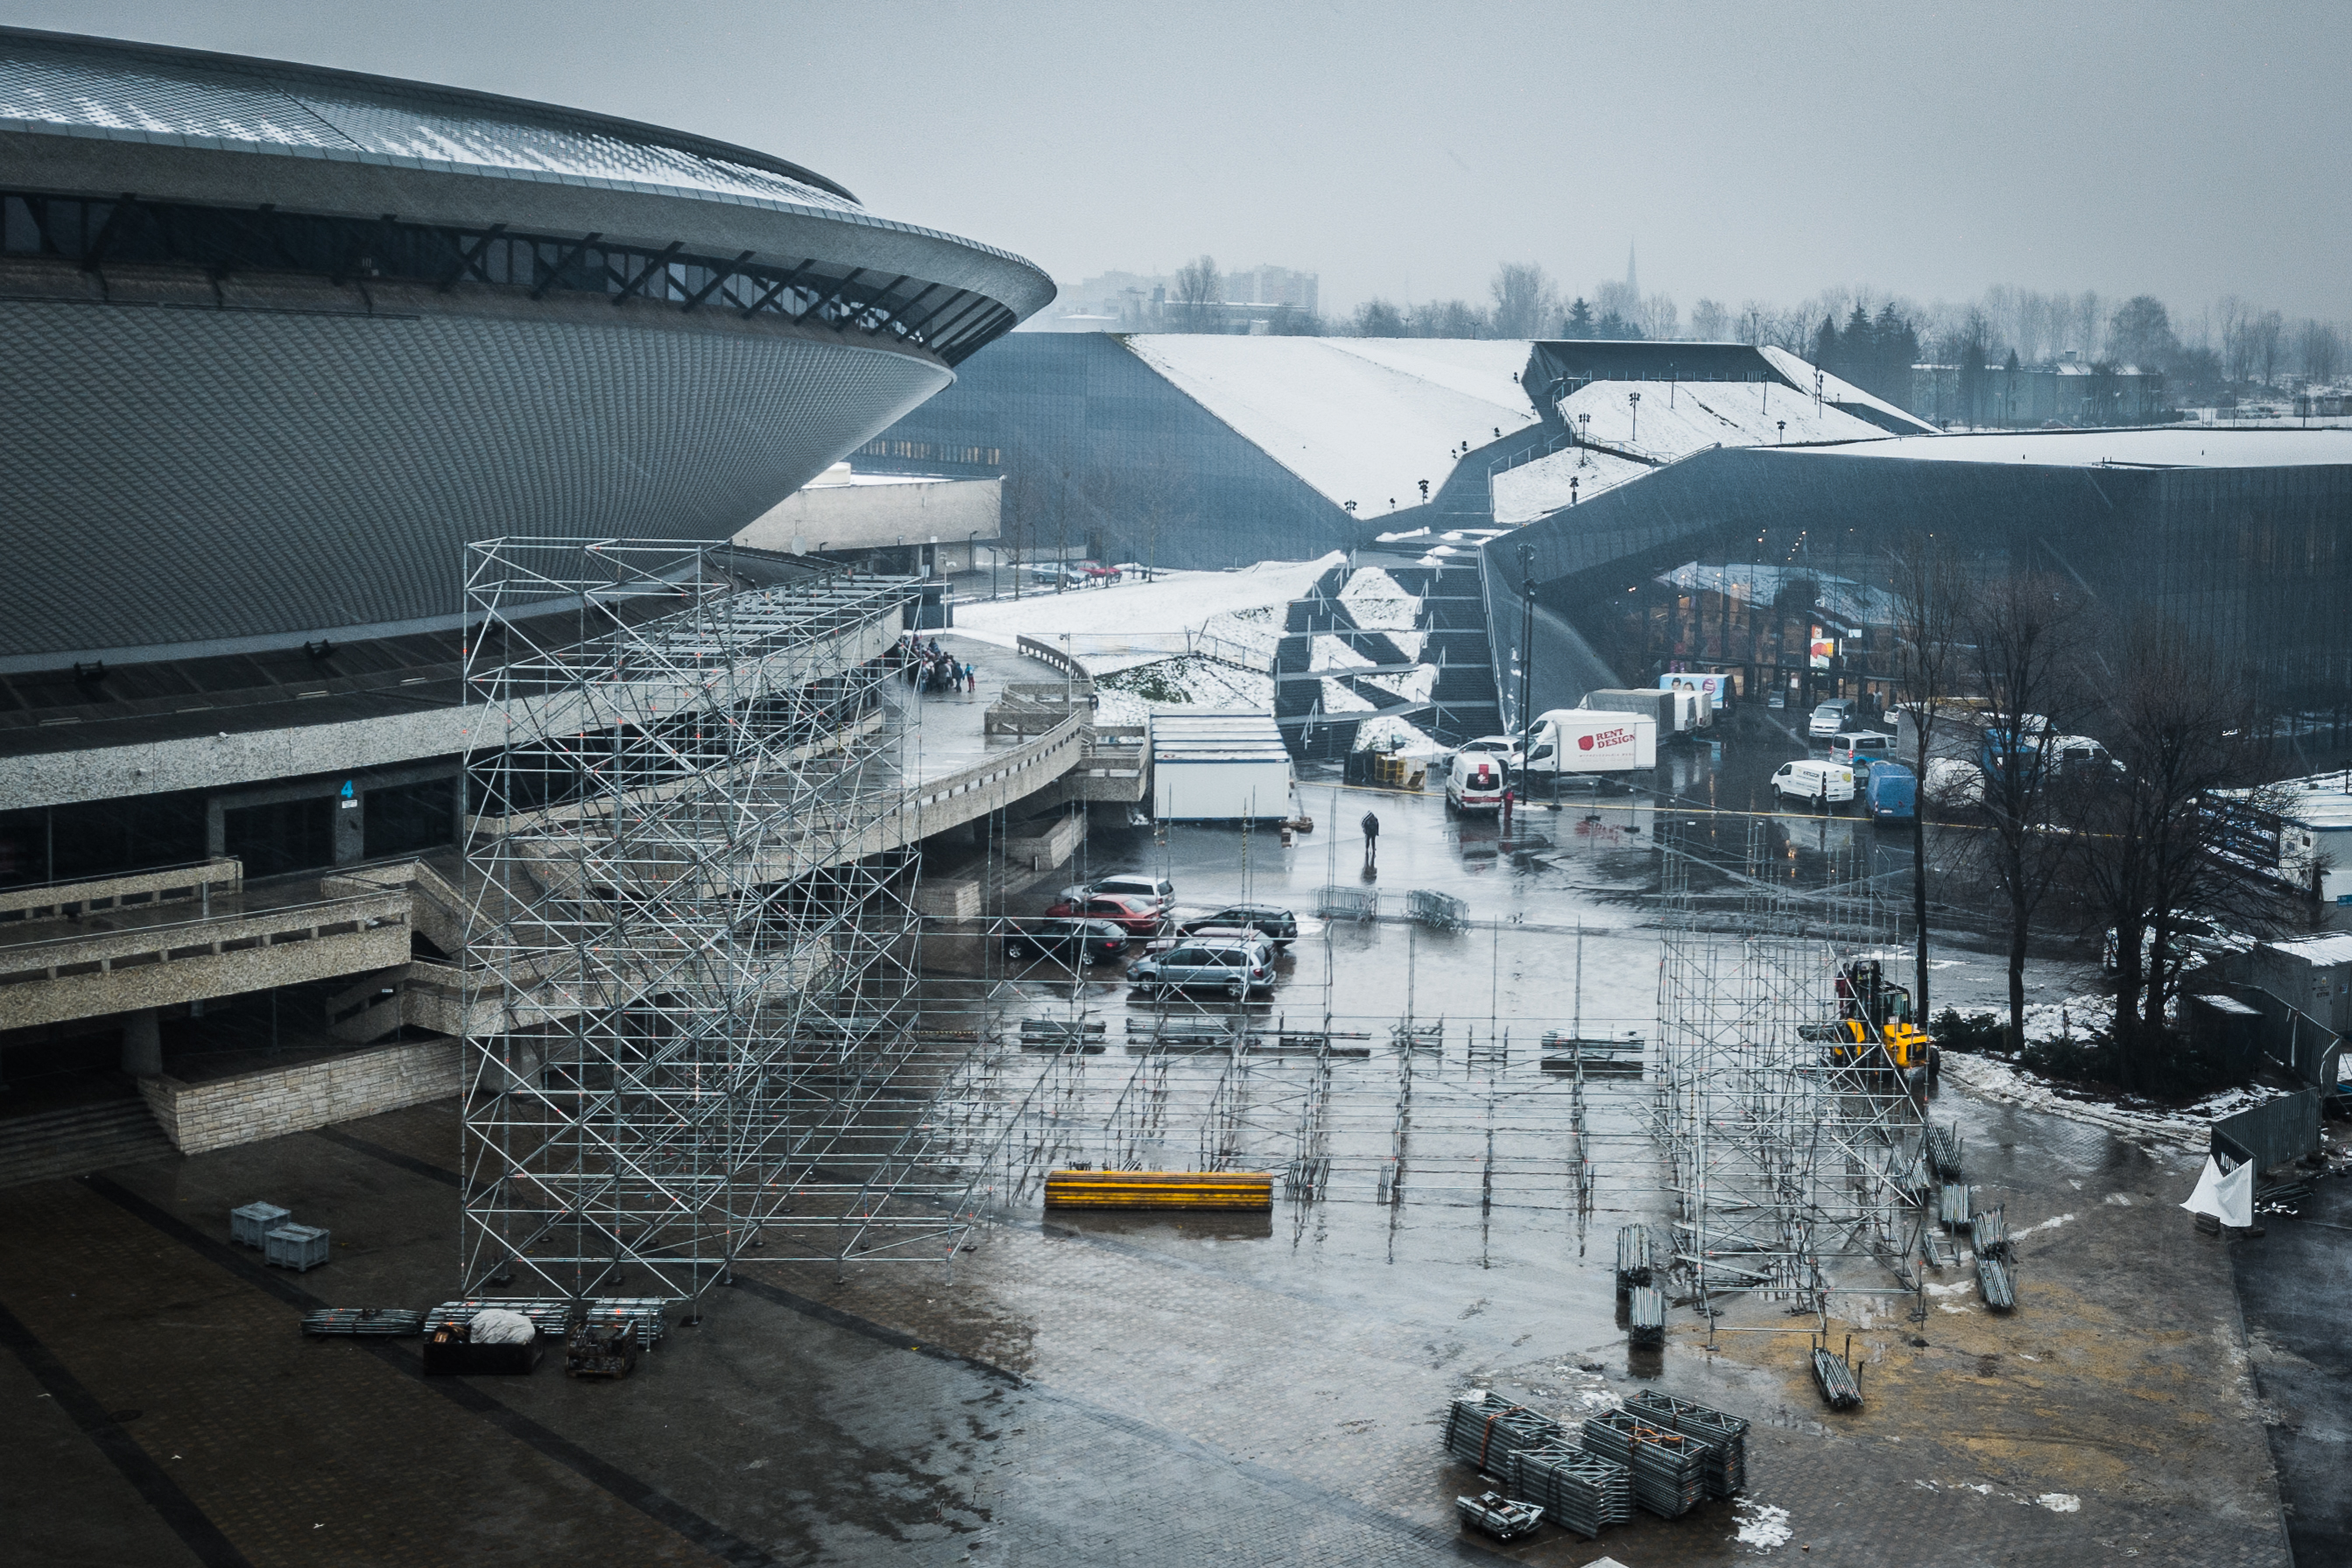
(1527,636)
(1782,425)
(1635,399)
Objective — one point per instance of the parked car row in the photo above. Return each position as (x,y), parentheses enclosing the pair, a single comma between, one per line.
(1232,949)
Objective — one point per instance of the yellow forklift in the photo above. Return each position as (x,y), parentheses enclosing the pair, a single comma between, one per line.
(1874,1027)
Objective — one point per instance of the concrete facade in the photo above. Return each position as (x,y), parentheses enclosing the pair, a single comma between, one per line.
(270,1103)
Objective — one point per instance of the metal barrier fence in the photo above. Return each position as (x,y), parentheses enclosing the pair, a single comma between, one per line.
(2294,1039)
(1349,903)
(1438,911)
(2273,1132)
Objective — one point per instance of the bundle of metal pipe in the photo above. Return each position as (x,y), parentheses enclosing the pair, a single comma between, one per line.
(645,1315)
(1645,1313)
(362,1320)
(1634,1262)
(1988,1233)
(1999,1289)
(1836,1380)
(1956,1204)
(1725,1436)
(1579,1490)
(1484,1431)
(551,1315)
(1944,1153)
(1665,1467)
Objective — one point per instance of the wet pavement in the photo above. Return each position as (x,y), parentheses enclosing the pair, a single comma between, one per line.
(1218,1389)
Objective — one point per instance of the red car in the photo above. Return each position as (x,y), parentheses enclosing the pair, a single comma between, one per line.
(1096,571)
(1137,917)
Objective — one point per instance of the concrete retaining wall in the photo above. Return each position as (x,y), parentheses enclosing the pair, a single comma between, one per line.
(274,1102)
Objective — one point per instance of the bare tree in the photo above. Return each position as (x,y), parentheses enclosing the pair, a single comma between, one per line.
(1710,322)
(1448,318)
(1661,322)
(1931,610)
(1526,303)
(2151,839)
(1376,318)
(2266,335)
(2023,633)
(2319,350)
(1199,289)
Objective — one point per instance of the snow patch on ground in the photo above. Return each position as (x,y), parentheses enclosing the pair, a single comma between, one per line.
(1376,601)
(1333,653)
(1396,734)
(2060,1502)
(2190,1133)
(1762,1525)
(1132,695)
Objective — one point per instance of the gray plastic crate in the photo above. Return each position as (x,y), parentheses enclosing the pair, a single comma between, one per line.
(300,1248)
(249,1224)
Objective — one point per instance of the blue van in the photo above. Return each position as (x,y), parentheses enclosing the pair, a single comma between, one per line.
(1893,793)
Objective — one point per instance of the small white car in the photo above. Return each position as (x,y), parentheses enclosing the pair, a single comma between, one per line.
(1506,746)
(1813,782)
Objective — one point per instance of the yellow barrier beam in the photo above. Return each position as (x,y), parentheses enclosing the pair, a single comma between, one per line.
(1159,1189)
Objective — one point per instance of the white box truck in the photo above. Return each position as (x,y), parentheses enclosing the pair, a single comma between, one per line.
(1714,692)
(1675,713)
(1590,740)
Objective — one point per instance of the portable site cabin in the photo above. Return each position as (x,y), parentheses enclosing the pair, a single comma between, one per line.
(1218,766)
(1673,713)
(2313,974)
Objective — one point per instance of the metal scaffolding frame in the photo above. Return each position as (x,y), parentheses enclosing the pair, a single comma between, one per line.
(689,954)
(1786,1167)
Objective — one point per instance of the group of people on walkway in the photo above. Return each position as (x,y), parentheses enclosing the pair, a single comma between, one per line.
(929,669)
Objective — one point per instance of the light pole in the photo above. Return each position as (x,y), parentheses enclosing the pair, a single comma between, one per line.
(1635,399)
(1782,425)
(1526,639)
(1585,439)
(1571,489)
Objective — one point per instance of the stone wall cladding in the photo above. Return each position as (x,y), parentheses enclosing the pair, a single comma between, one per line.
(251,1107)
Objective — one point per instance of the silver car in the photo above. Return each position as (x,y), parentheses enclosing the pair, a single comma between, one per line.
(1231,965)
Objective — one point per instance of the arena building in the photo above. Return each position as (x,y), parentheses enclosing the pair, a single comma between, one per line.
(283,341)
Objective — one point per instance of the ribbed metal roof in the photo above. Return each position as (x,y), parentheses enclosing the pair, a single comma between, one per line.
(104,87)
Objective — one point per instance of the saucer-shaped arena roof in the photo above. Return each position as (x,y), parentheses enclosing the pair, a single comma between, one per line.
(197,125)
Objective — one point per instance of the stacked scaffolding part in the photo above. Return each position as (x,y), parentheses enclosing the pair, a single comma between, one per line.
(362,1320)
(1667,1469)
(1725,1435)
(1634,1262)
(552,1318)
(1645,1313)
(1944,1152)
(1989,1232)
(1835,1378)
(1955,1205)
(1581,1491)
(1483,1430)
(1996,1284)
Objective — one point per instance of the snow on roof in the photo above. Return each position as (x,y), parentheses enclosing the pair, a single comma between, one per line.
(1675,419)
(1536,490)
(1171,602)
(1361,420)
(2317,950)
(2321,801)
(1836,389)
(2195,447)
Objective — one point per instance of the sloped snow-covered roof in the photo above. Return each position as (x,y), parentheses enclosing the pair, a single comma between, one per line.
(1539,488)
(1361,420)
(2186,448)
(1837,389)
(1675,419)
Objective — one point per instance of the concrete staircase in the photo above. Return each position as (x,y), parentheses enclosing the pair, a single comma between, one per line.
(80,1140)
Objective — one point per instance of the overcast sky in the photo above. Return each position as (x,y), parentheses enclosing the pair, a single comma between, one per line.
(1750,150)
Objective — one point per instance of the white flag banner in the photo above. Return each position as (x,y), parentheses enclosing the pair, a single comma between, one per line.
(2227,1199)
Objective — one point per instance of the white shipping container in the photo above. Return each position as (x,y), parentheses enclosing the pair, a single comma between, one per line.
(1592,740)
(1218,766)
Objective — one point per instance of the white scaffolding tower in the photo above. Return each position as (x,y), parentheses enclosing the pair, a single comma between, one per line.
(690,946)
(1796,1171)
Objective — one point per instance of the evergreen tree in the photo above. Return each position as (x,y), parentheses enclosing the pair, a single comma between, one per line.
(1826,345)
(1579,318)
(1898,350)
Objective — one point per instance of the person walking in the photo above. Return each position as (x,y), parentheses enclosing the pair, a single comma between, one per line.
(1372,825)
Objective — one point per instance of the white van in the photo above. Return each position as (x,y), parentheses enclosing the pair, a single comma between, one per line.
(1813,782)
(1590,740)
(1858,748)
(1475,782)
